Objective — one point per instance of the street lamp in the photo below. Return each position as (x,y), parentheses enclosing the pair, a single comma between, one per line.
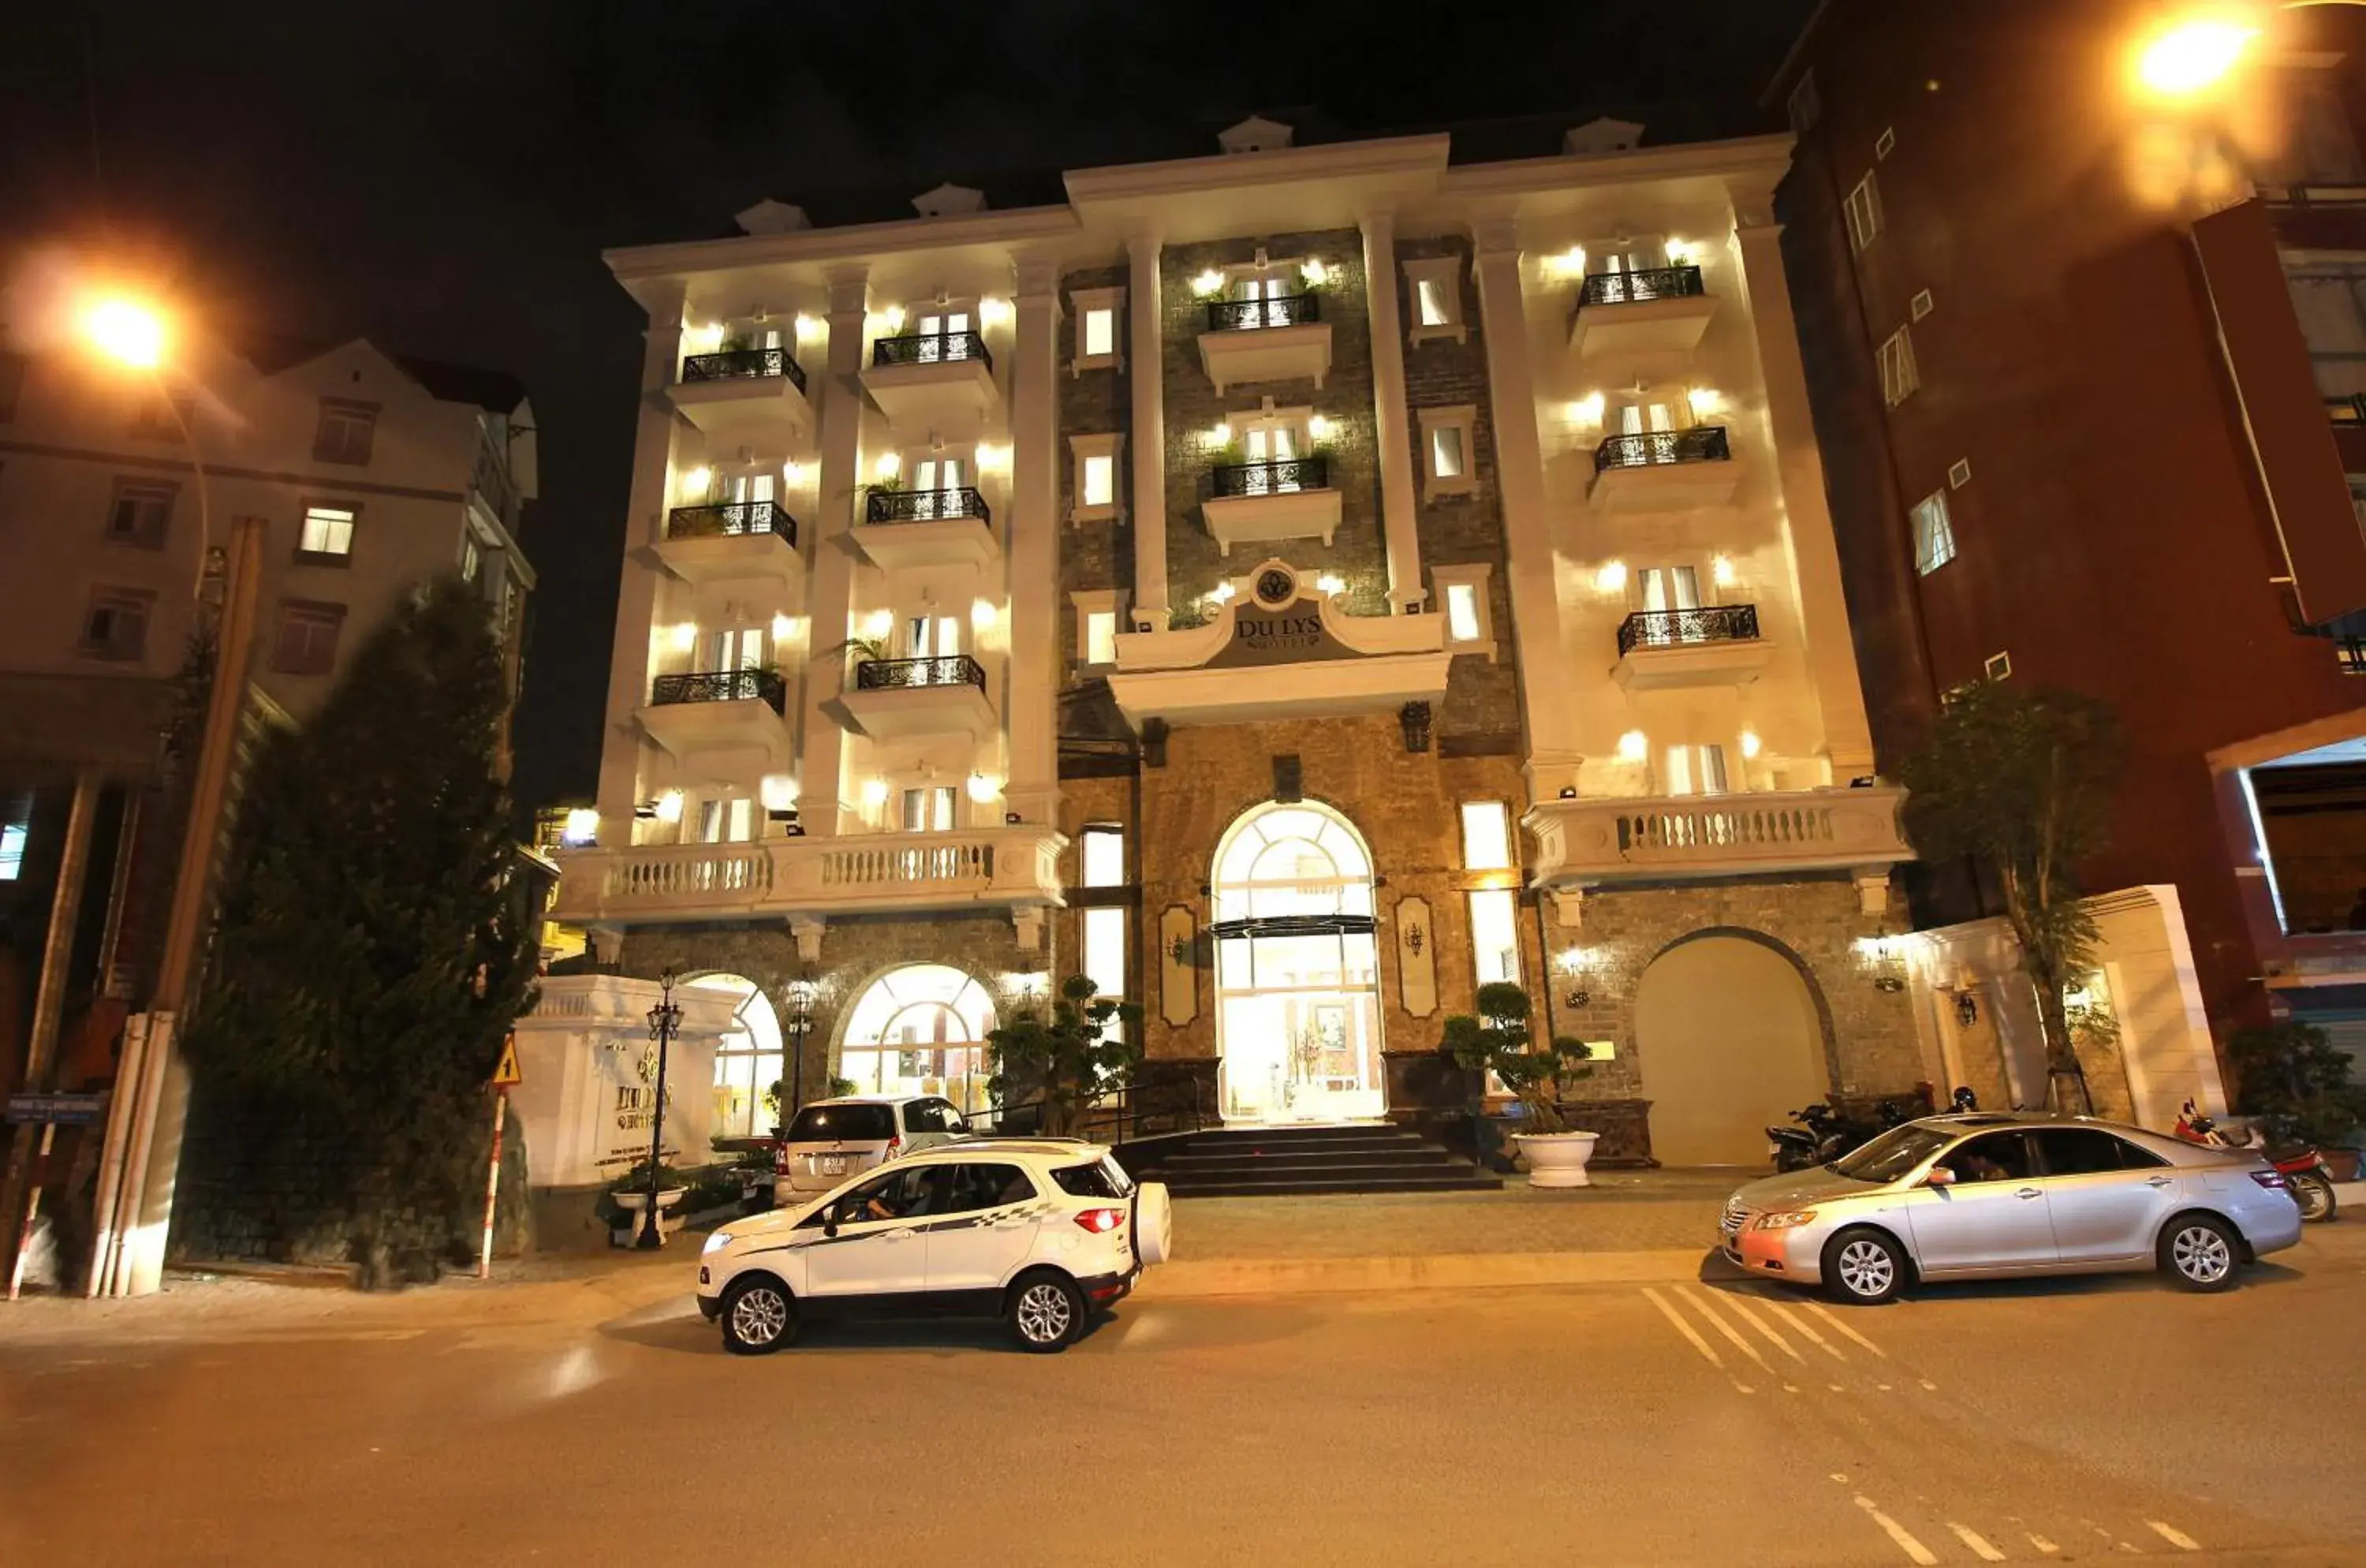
(800,1024)
(665,1020)
(135,336)
(2196,53)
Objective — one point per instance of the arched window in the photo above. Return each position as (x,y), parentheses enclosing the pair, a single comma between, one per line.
(920,1030)
(747,1060)
(1292,860)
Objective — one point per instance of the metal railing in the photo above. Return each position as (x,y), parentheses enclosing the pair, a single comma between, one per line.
(1280,476)
(891,674)
(1643,283)
(1185,1104)
(1669,628)
(930,348)
(1289,311)
(1650,448)
(743,364)
(728,518)
(924,505)
(721,686)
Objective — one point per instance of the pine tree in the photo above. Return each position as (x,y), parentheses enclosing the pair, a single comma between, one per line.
(370,953)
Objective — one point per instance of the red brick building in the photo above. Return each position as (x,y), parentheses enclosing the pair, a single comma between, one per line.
(2089,371)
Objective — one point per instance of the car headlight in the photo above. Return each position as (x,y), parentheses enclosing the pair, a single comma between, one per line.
(1784,1219)
(715,1243)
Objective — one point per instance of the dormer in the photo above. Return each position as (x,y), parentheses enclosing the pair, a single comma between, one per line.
(1605,135)
(769,217)
(1255,134)
(949,201)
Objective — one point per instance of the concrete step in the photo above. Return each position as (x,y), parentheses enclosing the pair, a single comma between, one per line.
(1246,1187)
(1223,1165)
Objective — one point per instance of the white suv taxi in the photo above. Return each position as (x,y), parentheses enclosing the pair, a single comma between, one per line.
(1039,1232)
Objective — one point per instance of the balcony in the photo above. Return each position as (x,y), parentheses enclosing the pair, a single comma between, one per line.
(1664,470)
(897,699)
(1266,340)
(719,710)
(926,527)
(1016,867)
(1717,645)
(738,539)
(754,397)
(1584,843)
(1652,310)
(1256,503)
(931,380)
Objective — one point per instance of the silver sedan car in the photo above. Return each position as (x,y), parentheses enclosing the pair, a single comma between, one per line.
(1982,1196)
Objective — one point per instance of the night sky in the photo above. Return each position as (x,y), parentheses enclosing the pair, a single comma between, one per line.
(442,177)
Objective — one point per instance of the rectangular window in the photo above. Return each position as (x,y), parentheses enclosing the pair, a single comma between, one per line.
(932,637)
(1104,953)
(115,626)
(1445,451)
(1103,855)
(727,820)
(12,851)
(1436,286)
(929,810)
(1461,590)
(1496,934)
(1100,332)
(1430,303)
(1462,612)
(328,531)
(1486,835)
(306,642)
(345,432)
(1934,533)
(1101,636)
(1898,379)
(471,558)
(1100,480)
(140,513)
(1695,769)
(1864,212)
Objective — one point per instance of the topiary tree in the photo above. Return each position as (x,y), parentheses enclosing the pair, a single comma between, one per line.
(2020,782)
(1071,1059)
(1502,1039)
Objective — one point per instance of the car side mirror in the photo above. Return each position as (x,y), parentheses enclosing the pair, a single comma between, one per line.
(830,1221)
(1940,1177)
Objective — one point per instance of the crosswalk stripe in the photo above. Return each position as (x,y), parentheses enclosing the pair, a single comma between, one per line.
(1978,1542)
(1899,1533)
(1686,1329)
(1800,1325)
(2176,1537)
(1744,1346)
(2043,1545)
(1846,1330)
(1751,1318)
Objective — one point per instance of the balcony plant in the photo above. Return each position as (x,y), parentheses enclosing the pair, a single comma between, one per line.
(1501,1040)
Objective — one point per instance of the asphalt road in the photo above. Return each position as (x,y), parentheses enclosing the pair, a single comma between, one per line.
(1677,1423)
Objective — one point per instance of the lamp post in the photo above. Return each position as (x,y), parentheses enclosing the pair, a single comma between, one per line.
(800,1024)
(665,1020)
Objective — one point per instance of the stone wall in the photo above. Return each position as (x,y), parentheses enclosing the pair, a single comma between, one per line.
(1093,403)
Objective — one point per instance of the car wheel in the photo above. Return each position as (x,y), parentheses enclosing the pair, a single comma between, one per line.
(2313,1192)
(2199,1252)
(759,1316)
(1047,1310)
(1863,1267)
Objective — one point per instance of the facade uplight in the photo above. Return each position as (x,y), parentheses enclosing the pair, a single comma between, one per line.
(983,788)
(1331,584)
(993,312)
(582,826)
(684,636)
(1634,746)
(1750,744)
(670,806)
(888,466)
(1611,577)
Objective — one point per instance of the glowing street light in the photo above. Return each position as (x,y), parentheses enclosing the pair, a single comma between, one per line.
(126,332)
(2193,56)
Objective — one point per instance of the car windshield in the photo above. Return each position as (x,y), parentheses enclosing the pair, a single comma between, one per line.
(1892,1155)
(852,1123)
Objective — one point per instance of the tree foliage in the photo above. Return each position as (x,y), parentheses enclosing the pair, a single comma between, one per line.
(2295,1079)
(1501,1039)
(2021,781)
(1068,1059)
(370,949)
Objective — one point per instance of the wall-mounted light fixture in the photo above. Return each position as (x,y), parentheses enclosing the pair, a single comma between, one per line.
(1574,962)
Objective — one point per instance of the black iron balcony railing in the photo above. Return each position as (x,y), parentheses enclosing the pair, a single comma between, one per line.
(930,348)
(1644,283)
(924,505)
(722,686)
(1701,444)
(1671,628)
(1278,477)
(737,364)
(1290,310)
(889,674)
(730,517)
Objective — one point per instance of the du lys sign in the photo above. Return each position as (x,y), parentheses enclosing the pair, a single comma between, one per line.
(1290,634)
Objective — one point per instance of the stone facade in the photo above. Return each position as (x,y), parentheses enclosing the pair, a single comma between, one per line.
(1093,554)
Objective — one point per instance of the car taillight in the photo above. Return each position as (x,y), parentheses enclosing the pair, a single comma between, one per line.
(894,1147)
(1101,1221)
(781,1165)
(2274,1178)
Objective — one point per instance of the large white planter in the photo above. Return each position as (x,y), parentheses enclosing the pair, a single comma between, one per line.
(1557,1159)
(634,1203)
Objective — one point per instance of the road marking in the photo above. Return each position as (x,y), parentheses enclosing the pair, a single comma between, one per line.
(1897,1532)
(1800,1327)
(2176,1537)
(1978,1542)
(1847,1331)
(2043,1545)
(1751,1318)
(1744,1346)
(1708,1351)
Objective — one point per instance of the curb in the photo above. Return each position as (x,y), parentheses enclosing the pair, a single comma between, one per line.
(1435,1271)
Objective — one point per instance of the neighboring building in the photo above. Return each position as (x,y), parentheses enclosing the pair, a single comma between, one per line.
(373,473)
(1293,587)
(2089,371)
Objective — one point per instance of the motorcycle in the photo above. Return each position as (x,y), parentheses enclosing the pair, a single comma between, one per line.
(2303,1170)
(1823,1136)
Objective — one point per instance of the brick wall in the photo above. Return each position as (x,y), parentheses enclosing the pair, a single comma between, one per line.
(1092,554)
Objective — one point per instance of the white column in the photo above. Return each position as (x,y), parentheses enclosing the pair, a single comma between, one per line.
(1530,577)
(636,598)
(1400,523)
(1147,364)
(1033,789)
(1799,465)
(822,806)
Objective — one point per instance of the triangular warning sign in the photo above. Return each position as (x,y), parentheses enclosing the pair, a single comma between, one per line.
(507,1074)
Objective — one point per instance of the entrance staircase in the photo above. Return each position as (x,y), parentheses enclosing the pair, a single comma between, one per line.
(1241,1162)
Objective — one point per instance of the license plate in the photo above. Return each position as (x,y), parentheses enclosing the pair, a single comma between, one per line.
(832,1165)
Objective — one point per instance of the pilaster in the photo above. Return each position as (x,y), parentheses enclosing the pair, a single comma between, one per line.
(1032,791)
(1145,320)
(821,804)
(1400,523)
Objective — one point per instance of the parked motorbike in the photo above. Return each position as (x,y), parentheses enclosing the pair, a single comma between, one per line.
(1823,1136)
(2303,1169)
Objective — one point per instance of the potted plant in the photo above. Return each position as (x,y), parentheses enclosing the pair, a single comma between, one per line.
(1502,1041)
(628,1198)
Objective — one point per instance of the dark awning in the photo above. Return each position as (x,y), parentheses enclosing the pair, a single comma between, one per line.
(1296,925)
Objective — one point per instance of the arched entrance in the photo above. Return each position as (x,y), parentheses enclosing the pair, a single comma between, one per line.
(1729,1041)
(747,1062)
(1298,1014)
(920,1030)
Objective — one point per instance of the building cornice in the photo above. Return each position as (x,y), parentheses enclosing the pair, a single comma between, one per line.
(907,235)
(1330,161)
(1768,156)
